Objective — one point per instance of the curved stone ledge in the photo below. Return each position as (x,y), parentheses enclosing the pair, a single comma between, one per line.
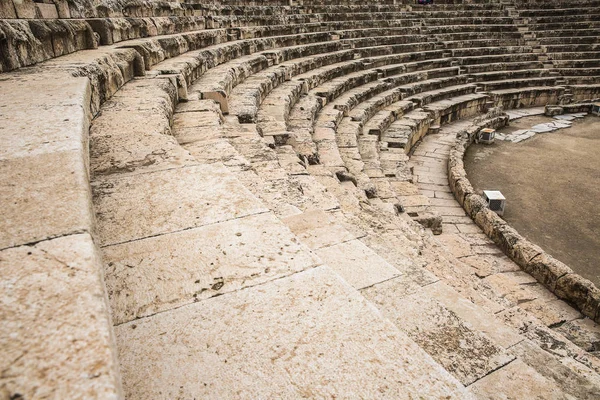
(56,339)
(553,274)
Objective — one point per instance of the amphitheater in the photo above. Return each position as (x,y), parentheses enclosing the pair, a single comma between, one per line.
(245,199)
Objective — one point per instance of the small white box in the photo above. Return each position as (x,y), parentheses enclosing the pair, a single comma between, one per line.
(495,201)
(486,135)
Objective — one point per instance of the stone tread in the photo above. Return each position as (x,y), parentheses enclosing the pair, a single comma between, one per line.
(277,340)
(131,172)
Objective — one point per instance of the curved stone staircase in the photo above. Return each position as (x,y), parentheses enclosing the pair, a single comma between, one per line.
(261,205)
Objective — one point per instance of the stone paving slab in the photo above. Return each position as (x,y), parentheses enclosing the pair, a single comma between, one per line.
(127,141)
(53,188)
(464,352)
(143,205)
(53,120)
(478,318)
(517,381)
(578,385)
(316,229)
(308,335)
(55,336)
(357,264)
(164,272)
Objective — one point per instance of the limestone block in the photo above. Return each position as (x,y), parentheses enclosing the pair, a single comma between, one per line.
(357,264)
(43,156)
(21,46)
(473,203)
(581,292)
(206,194)
(165,272)
(583,332)
(56,334)
(317,229)
(505,237)
(471,313)
(576,384)
(524,251)
(309,334)
(62,8)
(516,381)
(7,10)
(427,321)
(46,11)
(52,188)
(546,269)
(26,9)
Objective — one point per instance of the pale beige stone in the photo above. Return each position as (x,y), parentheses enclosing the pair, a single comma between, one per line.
(308,335)
(43,196)
(457,246)
(478,318)
(575,383)
(516,381)
(316,229)
(464,352)
(165,272)
(56,335)
(138,206)
(134,141)
(357,264)
(55,119)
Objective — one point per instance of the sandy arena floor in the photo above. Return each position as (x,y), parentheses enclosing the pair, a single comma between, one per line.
(552,186)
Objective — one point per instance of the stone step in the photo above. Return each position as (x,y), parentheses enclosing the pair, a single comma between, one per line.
(276,340)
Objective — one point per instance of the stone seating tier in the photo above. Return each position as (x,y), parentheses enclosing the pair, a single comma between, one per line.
(313,160)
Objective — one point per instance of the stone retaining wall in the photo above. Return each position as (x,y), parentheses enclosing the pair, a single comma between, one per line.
(553,274)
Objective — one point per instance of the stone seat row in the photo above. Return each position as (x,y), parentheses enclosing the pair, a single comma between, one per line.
(118,166)
(26,43)
(365,8)
(219,80)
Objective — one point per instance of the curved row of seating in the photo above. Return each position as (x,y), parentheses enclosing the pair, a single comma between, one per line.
(253,215)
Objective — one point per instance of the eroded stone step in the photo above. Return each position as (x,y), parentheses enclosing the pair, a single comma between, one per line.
(278,340)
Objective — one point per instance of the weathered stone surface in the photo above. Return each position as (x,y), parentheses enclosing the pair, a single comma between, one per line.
(306,335)
(52,188)
(25,9)
(134,141)
(581,292)
(7,10)
(577,385)
(56,335)
(317,229)
(474,315)
(47,11)
(516,381)
(583,332)
(165,272)
(357,264)
(464,352)
(205,194)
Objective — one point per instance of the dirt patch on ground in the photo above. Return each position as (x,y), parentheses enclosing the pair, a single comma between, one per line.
(552,186)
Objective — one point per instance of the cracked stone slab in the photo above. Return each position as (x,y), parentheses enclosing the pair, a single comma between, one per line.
(164,272)
(516,380)
(308,335)
(464,352)
(476,316)
(583,332)
(143,205)
(357,264)
(55,336)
